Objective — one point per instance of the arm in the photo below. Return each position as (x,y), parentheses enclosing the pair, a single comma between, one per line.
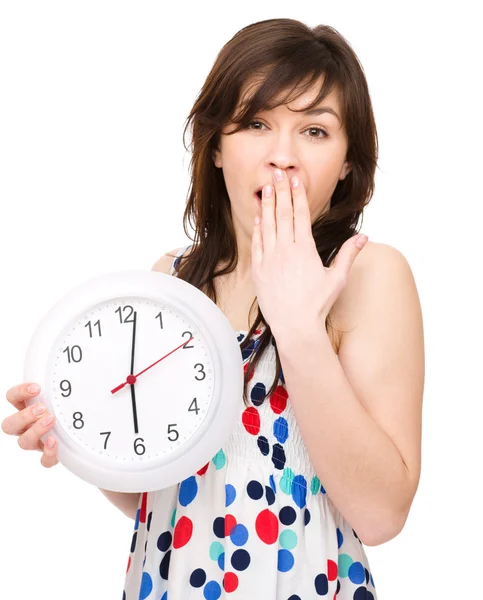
(359,413)
(125,502)
(128,502)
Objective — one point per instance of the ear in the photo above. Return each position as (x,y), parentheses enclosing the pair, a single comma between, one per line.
(346,169)
(217,158)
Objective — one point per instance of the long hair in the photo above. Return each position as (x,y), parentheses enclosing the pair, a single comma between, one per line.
(279,55)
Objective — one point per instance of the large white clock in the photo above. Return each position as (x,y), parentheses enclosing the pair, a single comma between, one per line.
(144,375)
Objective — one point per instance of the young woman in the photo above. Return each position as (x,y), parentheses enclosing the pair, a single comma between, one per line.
(325,457)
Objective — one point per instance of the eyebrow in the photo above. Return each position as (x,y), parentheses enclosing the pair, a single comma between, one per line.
(315,112)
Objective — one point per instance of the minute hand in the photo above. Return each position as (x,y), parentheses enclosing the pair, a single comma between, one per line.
(132,378)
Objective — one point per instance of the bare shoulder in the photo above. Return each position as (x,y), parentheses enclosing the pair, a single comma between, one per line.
(376,262)
(163,264)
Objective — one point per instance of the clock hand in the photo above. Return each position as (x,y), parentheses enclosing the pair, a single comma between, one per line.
(133,393)
(132,378)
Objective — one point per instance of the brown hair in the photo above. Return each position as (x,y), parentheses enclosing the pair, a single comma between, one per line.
(280,54)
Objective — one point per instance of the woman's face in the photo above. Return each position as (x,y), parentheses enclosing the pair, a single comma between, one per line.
(290,141)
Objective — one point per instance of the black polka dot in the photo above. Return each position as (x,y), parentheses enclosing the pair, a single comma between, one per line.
(258,393)
(148,525)
(270,495)
(133,543)
(278,456)
(219,527)
(287,515)
(254,489)
(240,560)
(263,445)
(362,593)
(164,566)
(164,541)
(294,597)
(198,578)
(306,516)
(321,584)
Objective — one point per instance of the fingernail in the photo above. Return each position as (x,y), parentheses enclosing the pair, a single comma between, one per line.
(360,242)
(267,190)
(38,409)
(278,175)
(33,389)
(50,442)
(48,420)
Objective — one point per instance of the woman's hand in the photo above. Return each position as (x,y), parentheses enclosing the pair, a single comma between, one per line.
(293,286)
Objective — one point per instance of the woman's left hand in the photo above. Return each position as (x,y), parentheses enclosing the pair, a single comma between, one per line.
(293,286)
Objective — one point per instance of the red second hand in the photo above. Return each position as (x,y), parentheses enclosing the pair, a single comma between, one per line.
(131,379)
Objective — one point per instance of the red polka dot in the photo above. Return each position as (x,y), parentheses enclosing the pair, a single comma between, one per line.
(230,523)
(128,564)
(230,582)
(245,369)
(251,420)
(332,570)
(182,532)
(278,399)
(203,470)
(144,503)
(266,526)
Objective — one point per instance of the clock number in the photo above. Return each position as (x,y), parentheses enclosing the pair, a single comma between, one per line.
(195,409)
(128,318)
(98,323)
(78,420)
(202,371)
(189,337)
(108,433)
(172,431)
(136,446)
(68,389)
(71,353)
(160,319)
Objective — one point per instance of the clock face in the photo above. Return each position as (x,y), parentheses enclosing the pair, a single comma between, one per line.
(161,407)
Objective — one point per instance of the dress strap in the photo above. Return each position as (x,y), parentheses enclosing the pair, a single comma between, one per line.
(175,263)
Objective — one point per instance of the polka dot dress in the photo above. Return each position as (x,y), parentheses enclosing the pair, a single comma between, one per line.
(253,523)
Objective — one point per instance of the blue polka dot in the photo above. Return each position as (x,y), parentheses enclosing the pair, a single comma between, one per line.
(136,524)
(254,489)
(146,586)
(230,494)
(164,596)
(280,430)
(239,535)
(188,490)
(272,484)
(340,537)
(212,591)
(357,573)
(285,560)
(299,490)
(221,561)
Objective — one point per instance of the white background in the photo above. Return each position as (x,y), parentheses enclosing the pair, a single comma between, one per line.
(94,178)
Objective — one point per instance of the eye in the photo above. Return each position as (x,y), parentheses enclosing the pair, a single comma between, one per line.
(314,128)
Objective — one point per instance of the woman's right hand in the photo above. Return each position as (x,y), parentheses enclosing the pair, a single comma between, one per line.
(29,424)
